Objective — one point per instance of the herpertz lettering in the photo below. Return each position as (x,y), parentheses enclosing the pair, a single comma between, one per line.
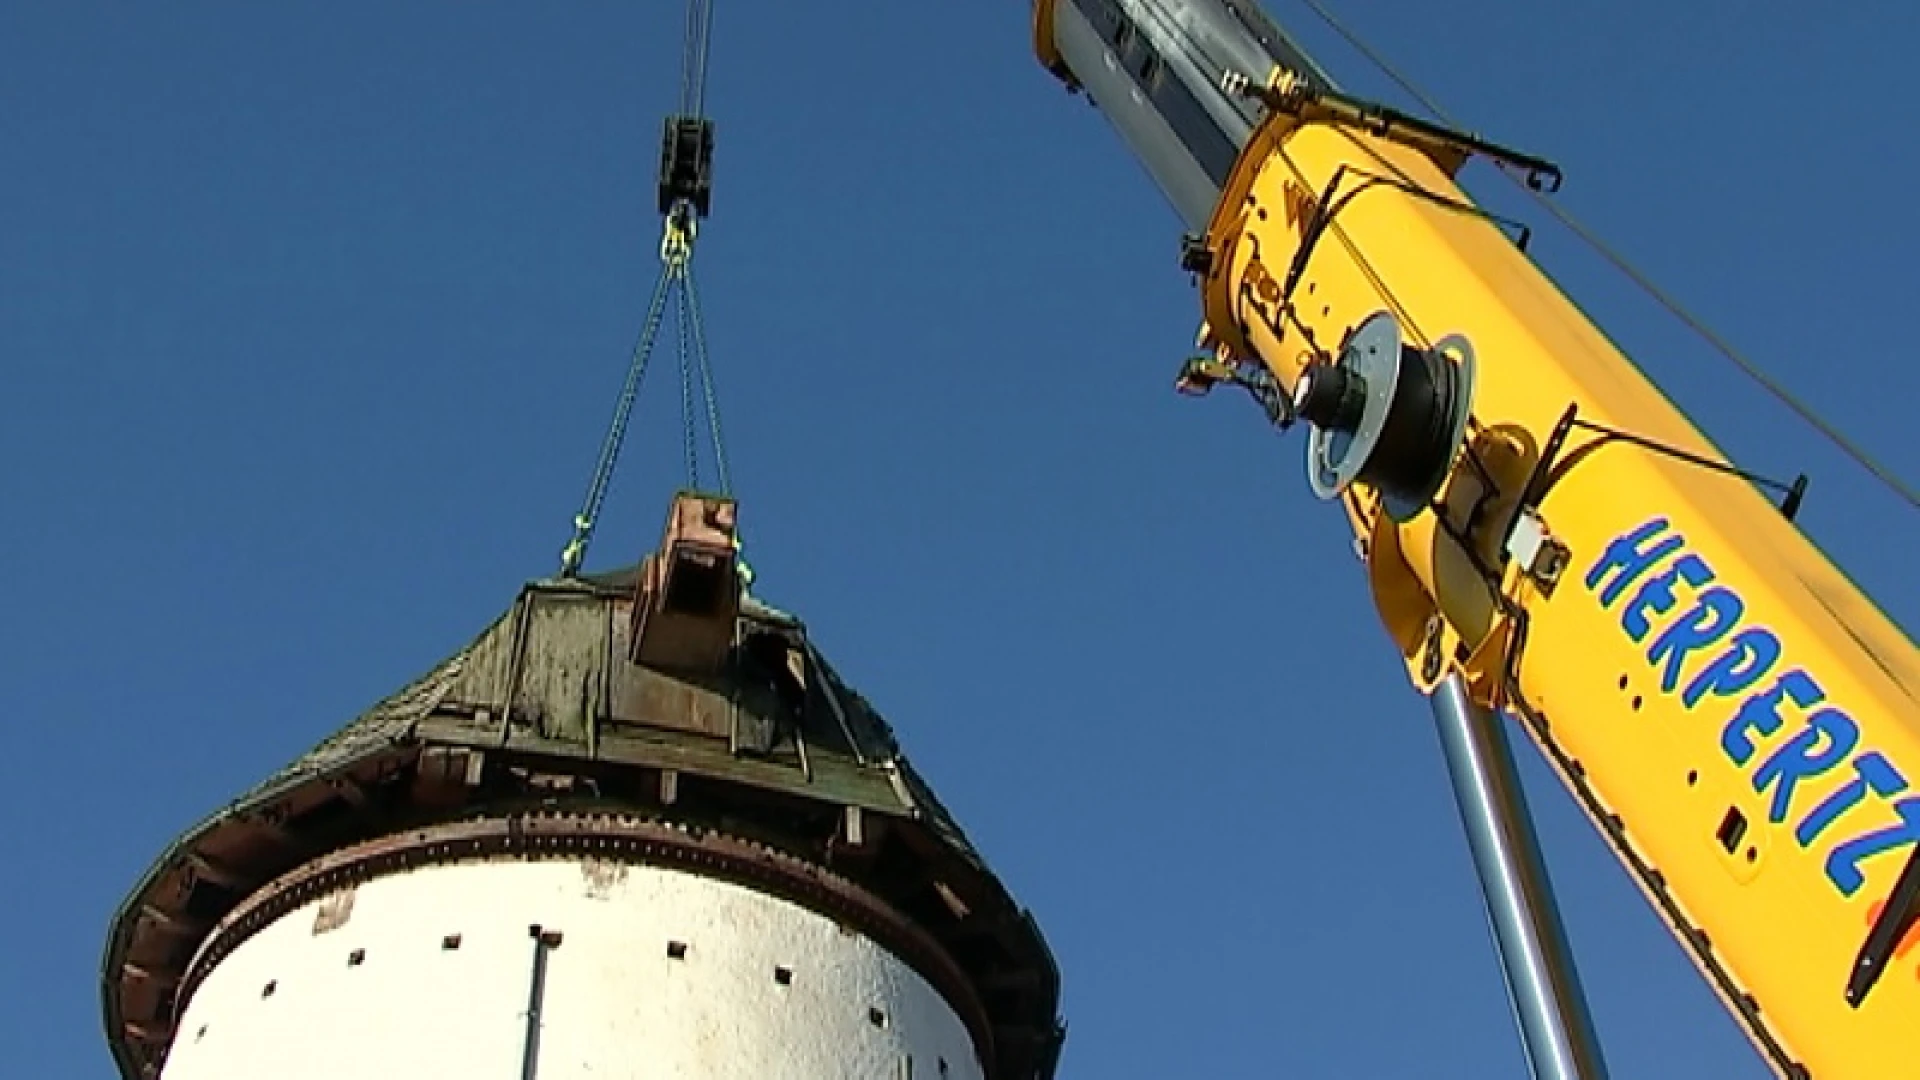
(1723,666)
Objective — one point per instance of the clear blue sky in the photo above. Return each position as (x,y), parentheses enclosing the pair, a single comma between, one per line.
(311,314)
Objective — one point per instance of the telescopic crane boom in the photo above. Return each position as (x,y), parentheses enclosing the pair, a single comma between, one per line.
(1544,534)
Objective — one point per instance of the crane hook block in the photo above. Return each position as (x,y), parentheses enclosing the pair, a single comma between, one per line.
(1386,414)
(686,164)
(688,596)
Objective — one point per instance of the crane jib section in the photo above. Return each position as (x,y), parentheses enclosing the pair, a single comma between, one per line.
(1734,675)
(1739,721)
(1736,717)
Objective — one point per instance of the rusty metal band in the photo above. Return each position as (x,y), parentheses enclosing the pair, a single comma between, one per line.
(559,835)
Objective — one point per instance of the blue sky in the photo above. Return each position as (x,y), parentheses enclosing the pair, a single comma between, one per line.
(311,315)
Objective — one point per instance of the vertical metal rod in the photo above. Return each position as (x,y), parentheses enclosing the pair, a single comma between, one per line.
(543,941)
(1542,983)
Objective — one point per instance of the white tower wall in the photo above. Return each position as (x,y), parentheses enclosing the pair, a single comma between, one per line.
(429,974)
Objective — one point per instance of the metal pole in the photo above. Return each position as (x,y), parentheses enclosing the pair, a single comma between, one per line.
(1542,984)
(543,941)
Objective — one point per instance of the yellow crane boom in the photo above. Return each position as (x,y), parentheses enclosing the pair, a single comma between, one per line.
(1540,525)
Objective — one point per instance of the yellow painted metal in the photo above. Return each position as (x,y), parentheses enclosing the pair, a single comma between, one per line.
(1744,800)
(1043,46)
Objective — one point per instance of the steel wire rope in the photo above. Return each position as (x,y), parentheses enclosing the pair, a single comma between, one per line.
(676,253)
(616,436)
(691,303)
(683,349)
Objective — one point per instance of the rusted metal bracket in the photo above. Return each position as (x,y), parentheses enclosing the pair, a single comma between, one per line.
(688,595)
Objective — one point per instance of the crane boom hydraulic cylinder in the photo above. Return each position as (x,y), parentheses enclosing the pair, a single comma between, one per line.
(1555,1026)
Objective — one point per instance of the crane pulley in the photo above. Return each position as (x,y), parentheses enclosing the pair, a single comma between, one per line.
(685,197)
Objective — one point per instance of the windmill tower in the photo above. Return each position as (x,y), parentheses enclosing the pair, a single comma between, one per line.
(637,829)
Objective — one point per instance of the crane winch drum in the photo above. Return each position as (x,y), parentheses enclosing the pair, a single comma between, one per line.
(1386,414)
